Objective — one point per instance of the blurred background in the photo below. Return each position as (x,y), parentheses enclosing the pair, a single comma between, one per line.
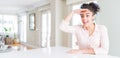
(35,23)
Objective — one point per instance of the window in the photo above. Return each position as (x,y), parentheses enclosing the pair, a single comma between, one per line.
(8,24)
(46,28)
(32,21)
(22,27)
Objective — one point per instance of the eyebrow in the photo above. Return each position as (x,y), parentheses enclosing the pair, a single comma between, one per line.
(86,13)
(83,11)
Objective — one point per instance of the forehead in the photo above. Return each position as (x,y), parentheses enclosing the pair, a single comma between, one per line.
(86,12)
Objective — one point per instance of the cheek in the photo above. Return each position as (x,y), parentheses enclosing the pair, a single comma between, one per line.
(90,19)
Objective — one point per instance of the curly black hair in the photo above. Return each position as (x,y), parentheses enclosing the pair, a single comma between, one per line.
(93,7)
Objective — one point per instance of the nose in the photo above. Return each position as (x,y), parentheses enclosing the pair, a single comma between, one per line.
(84,17)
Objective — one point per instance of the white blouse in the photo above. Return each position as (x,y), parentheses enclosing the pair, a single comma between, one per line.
(98,40)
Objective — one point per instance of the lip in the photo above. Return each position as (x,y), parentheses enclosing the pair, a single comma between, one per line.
(85,22)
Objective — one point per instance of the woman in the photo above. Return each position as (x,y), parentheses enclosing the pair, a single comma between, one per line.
(91,37)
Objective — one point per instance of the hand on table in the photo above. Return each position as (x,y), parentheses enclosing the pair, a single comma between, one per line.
(74,51)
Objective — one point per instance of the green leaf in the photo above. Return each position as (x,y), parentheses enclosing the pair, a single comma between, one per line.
(5,29)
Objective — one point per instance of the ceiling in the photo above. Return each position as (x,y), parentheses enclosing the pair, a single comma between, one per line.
(14,6)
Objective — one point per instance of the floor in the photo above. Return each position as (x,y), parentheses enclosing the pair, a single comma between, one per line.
(19,47)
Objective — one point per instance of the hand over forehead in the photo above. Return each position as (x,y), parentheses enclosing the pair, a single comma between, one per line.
(79,11)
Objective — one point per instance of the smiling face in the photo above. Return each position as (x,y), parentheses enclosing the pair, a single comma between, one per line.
(87,17)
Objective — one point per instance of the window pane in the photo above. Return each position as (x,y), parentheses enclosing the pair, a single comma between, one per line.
(22,28)
(46,28)
(8,25)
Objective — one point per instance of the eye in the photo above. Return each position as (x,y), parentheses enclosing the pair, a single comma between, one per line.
(82,16)
(87,15)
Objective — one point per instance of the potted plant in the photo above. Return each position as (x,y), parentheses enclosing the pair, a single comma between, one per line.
(7,39)
(15,40)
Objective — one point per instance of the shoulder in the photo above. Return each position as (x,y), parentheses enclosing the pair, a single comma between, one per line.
(102,27)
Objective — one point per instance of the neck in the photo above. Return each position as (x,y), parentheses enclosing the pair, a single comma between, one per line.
(89,27)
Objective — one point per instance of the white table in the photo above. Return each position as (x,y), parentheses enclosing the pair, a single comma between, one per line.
(54,52)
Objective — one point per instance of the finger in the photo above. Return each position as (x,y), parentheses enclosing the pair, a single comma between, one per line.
(84,10)
(78,11)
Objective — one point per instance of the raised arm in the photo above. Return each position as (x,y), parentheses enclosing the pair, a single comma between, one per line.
(64,26)
(77,11)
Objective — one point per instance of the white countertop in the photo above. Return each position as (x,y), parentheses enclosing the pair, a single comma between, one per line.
(54,52)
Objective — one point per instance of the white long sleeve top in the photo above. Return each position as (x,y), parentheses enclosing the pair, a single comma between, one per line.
(98,40)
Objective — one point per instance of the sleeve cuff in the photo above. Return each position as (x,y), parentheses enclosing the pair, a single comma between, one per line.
(100,51)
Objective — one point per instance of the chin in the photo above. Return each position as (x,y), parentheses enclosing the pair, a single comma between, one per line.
(86,25)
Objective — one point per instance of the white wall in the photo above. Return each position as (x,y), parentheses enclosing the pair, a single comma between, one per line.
(33,37)
(57,8)
(58,11)
(110,16)
(76,1)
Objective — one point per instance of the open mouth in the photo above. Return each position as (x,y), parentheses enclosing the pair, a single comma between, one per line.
(85,22)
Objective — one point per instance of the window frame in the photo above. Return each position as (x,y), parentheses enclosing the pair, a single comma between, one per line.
(32,22)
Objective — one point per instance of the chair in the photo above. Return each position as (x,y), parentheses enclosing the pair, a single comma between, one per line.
(8,40)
